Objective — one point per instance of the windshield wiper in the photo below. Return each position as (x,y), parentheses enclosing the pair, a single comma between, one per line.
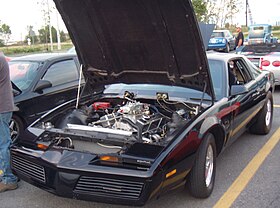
(203,99)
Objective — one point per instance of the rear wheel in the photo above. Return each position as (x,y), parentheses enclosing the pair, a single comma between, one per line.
(202,176)
(264,121)
(227,49)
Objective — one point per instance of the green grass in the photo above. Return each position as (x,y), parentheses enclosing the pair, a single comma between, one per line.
(38,48)
(276,34)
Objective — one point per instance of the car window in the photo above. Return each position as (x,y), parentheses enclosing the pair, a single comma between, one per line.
(62,72)
(240,71)
(217,34)
(255,70)
(227,34)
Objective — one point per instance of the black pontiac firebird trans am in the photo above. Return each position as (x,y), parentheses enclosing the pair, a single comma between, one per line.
(160,112)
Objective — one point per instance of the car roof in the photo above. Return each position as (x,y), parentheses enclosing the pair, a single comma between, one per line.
(220,30)
(222,56)
(43,57)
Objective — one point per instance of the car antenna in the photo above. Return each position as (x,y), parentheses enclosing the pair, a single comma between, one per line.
(79,86)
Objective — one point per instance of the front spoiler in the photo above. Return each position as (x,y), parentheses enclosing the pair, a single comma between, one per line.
(84,184)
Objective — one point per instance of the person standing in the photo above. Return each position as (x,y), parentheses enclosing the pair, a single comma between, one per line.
(240,38)
(8,181)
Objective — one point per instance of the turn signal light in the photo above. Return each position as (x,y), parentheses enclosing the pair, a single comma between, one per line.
(109,158)
(171,173)
(276,63)
(42,146)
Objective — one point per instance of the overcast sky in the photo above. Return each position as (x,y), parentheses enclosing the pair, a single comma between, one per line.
(20,13)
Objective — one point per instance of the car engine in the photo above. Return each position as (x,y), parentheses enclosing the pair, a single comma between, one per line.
(121,121)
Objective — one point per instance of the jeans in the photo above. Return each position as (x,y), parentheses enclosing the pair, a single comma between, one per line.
(6,175)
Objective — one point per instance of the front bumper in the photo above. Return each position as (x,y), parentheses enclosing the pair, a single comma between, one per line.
(71,175)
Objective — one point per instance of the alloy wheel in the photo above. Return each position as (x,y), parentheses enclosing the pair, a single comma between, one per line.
(14,129)
(268,113)
(209,165)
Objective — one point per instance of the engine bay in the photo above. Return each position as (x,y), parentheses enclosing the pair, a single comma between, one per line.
(115,123)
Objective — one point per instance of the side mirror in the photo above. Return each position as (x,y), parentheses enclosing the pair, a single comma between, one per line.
(15,92)
(42,84)
(238,90)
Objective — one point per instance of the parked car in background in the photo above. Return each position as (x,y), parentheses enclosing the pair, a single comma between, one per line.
(41,82)
(159,115)
(266,56)
(221,40)
(8,58)
(271,62)
(72,50)
(260,33)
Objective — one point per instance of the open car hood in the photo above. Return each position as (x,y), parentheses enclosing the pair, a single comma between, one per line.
(138,41)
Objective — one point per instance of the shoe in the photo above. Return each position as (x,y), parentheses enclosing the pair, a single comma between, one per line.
(8,187)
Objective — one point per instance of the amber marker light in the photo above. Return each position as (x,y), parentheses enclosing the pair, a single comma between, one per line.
(171,173)
(42,146)
(109,158)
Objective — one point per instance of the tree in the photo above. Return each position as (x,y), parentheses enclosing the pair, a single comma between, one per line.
(200,8)
(5,33)
(44,34)
(62,36)
(221,12)
(46,11)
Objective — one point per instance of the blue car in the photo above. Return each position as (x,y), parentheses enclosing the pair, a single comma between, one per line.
(221,40)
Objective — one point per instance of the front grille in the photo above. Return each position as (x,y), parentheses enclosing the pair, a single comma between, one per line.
(28,168)
(108,187)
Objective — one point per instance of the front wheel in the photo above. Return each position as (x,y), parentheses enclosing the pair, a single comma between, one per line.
(202,176)
(16,128)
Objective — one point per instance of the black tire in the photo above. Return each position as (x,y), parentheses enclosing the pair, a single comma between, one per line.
(197,183)
(227,49)
(263,124)
(16,127)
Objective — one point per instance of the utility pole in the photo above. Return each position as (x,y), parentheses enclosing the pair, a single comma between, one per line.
(50,28)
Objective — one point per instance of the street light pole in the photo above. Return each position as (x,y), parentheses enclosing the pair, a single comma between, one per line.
(246,13)
(58,32)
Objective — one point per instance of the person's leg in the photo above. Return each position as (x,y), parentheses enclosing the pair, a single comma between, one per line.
(5,140)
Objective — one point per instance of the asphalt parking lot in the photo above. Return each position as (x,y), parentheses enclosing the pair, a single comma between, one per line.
(248,175)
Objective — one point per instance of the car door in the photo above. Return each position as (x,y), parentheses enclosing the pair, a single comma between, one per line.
(248,103)
(64,77)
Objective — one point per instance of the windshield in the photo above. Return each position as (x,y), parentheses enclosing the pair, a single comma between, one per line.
(174,92)
(217,34)
(151,90)
(22,73)
(256,34)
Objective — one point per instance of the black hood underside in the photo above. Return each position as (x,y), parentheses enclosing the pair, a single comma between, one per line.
(137,41)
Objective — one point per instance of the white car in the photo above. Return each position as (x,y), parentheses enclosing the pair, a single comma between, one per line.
(271,62)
